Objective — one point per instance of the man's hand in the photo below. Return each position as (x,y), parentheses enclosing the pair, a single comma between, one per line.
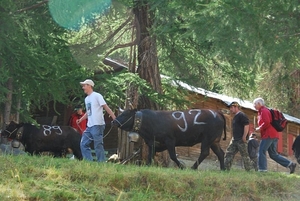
(244,139)
(78,121)
(257,129)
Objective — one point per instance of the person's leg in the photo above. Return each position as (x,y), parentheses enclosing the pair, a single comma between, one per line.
(254,163)
(97,132)
(277,157)
(85,142)
(243,149)
(229,155)
(262,159)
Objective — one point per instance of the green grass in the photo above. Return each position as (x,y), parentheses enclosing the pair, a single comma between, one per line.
(46,178)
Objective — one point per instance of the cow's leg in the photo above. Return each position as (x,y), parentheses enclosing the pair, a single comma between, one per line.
(150,153)
(204,153)
(77,153)
(172,154)
(171,149)
(220,154)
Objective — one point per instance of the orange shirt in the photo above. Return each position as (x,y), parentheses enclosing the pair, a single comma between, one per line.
(82,126)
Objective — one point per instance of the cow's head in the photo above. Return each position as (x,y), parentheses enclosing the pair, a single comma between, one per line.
(125,120)
(11,130)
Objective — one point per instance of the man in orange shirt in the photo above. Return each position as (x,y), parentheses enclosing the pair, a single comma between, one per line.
(80,127)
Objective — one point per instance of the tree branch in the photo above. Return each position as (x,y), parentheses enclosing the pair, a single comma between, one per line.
(132,43)
(128,28)
(111,35)
(33,6)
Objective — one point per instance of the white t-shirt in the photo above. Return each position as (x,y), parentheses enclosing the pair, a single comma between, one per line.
(94,109)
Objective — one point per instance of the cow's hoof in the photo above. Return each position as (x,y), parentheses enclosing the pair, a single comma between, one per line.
(182,165)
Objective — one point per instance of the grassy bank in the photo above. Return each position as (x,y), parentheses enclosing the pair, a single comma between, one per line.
(46,178)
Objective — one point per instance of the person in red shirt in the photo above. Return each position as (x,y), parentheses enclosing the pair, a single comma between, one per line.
(269,139)
(80,127)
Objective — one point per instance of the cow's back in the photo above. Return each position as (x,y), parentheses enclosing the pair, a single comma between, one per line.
(187,127)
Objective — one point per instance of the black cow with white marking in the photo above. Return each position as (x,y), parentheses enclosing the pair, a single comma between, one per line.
(296,148)
(164,130)
(55,139)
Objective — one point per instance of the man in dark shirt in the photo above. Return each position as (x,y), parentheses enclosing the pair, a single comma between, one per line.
(240,129)
(253,145)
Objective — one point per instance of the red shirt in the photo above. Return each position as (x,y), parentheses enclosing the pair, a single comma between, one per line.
(264,122)
(82,126)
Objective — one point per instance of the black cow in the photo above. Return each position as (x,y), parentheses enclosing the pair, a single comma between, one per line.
(296,148)
(55,139)
(164,130)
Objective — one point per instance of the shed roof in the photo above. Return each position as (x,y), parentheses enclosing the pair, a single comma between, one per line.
(226,99)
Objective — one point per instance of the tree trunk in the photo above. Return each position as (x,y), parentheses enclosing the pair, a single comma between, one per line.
(125,147)
(8,103)
(18,107)
(147,52)
(147,62)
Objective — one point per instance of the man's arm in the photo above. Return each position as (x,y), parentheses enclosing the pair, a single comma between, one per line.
(246,131)
(82,118)
(265,119)
(109,111)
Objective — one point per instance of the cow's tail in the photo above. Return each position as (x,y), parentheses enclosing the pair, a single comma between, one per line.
(224,125)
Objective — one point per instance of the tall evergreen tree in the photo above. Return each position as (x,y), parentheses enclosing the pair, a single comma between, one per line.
(36,64)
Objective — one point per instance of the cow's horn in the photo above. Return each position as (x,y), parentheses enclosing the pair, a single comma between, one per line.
(121,110)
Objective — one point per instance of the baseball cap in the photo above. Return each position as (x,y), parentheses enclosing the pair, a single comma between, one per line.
(234,103)
(88,81)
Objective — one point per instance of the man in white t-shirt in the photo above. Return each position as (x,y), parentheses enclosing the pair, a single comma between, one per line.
(94,103)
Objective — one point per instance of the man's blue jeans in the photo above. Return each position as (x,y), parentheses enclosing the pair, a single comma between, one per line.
(94,133)
(270,145)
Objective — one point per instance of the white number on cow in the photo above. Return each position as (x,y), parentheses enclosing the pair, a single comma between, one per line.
(57,129)
(213,113)
(196,116)
(47,130)
(178,115)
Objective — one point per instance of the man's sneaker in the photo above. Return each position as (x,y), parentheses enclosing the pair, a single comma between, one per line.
(292,168)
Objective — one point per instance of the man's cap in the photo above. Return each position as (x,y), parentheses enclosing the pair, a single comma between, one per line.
(78,107)
(88,81)
(234,103)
